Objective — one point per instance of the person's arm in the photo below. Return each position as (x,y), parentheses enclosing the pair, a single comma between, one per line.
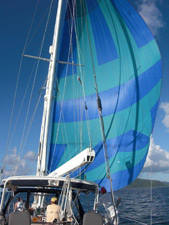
(118,202)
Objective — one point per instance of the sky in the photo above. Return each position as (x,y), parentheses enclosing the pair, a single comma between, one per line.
(155,14)
(19,147)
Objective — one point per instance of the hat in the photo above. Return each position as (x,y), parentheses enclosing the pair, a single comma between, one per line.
(103,190)
(54,199)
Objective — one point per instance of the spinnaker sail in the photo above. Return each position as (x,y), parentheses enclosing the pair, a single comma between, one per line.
(110,41)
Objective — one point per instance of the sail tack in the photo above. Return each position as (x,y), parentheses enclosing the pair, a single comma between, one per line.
(114,44)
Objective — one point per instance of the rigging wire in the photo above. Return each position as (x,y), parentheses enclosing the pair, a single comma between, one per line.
(61,116)
(34,80)
(76,89)
(101,118)
(16,90)
(81,80)
(73,25)
(30,124)
(9,142)
(70,57)
(40,23)
(82,83)
(20,109)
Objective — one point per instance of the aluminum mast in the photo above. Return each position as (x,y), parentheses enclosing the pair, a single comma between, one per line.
(48,99)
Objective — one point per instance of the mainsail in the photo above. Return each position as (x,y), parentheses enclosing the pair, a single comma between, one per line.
(110,41)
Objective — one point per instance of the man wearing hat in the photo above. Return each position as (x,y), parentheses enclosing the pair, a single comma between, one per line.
(53,211)
(106,200)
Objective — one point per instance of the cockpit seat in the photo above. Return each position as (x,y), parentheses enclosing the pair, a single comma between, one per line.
(92,218)
(19,218)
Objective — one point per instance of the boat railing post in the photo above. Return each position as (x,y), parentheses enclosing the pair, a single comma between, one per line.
(3,195)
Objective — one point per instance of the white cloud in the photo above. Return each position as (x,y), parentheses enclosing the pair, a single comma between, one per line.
(15,165)
(165,107)
(13,158)
(157,159)
(30,156)
(150,12)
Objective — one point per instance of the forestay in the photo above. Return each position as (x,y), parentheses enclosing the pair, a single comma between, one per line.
(110,40)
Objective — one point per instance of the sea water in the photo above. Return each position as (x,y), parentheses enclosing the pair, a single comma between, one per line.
(140,206)
(144,206)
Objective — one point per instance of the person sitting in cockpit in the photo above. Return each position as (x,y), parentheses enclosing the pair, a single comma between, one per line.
(53,211)
(19,205)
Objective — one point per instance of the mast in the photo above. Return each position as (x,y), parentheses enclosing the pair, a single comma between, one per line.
(48,98)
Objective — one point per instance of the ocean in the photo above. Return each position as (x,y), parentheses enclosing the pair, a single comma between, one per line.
(143,206)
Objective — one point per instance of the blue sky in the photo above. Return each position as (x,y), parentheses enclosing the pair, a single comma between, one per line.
(155,13)
(15,20)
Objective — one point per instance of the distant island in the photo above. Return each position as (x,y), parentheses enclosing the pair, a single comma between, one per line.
(142,183)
